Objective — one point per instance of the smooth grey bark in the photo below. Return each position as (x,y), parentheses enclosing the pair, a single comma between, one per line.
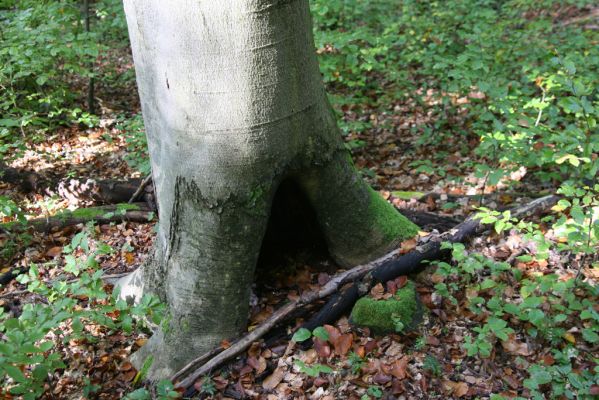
(233,104)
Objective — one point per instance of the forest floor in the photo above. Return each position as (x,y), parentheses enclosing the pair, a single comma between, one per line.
(428,362)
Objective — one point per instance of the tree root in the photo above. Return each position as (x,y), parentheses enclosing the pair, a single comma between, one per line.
(346,288)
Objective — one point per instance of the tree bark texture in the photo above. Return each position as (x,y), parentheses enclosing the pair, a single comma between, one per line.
(234,104)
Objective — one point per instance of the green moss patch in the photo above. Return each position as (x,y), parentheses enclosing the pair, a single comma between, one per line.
(396,314)
(392,224)
(407,195)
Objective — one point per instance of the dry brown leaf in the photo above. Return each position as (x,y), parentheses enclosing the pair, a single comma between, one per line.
(322,348)
(309,357)
(381,379)
(126,366)
(432,340)
(397,387)
(399,368)
(391,287)
(569,337)
(129,258)
(343,344)
(254,350)
(401,281)
(128,376)
(408,245)
(548,359)
(456,389)
(377,291)
(361,351)
(259,364)
(54,251)
(370,346)
(333,332)
(513,346)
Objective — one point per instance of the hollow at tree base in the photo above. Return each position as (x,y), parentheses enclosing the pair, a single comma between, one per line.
(403,310)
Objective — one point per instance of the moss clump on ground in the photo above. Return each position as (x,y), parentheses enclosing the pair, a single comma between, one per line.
(383,316)
(392,225)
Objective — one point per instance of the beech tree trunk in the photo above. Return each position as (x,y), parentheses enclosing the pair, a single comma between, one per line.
(233,104)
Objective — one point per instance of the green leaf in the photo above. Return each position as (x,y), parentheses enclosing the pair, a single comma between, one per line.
(139,394)
(496,324)
(40,372)
(301,335)
(14,372)
(321,333)
(590,335)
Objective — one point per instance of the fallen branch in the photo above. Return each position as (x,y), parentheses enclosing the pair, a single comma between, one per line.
(104,191)
(341,302)
(383,269)
(102,215)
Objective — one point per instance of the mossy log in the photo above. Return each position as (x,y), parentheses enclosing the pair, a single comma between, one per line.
(138,212)
(104,191)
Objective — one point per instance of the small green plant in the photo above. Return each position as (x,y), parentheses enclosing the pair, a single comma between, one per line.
(164,391)
(137,146)
(313,370)
(398,323)
(482,344)
(420,343)
(208,386)
(304,334)
(373,392)
(355,362)
(432,365)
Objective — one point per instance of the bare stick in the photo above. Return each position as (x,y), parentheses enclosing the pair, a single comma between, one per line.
(102,215)
(141,188)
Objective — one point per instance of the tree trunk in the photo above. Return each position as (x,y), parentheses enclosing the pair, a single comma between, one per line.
(234,104)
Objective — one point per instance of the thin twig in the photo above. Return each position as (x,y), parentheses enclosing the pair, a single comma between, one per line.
(141,188)
(540,109)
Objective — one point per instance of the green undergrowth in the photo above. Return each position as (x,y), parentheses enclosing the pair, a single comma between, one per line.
(47,59)
(554,311)
(62,312)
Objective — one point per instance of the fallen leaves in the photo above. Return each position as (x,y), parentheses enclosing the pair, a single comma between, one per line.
(455,389)
(274,379)
(54,251)
(399,368)
(341,342)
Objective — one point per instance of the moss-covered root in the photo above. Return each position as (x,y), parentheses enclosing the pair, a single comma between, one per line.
(358,224)
(396,314)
